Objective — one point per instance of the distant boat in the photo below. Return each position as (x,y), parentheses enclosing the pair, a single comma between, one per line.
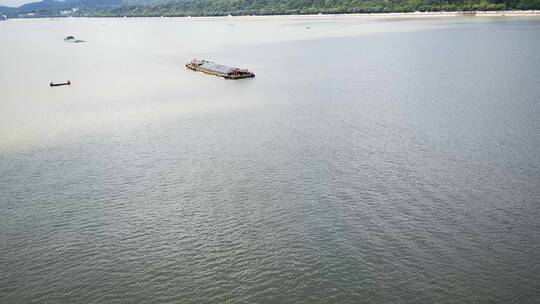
(72,39)
(308,27)
(52,84)
(224,71)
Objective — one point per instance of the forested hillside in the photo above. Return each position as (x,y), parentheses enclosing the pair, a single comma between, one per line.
(265,7)
(272,7)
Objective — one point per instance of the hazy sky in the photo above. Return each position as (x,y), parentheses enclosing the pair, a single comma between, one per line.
(16,2)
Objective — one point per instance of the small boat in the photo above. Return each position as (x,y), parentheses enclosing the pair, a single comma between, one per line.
(72,39)
(224,71)
(52,84)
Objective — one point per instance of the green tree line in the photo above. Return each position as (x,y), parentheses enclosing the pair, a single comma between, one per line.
(280,7)
(145,8)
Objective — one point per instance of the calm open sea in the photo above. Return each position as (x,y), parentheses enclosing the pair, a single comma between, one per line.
(370,161)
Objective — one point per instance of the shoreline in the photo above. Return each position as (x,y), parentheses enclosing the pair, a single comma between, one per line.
(509,13)
(515,13)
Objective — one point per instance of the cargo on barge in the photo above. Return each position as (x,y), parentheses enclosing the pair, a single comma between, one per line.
(224,71)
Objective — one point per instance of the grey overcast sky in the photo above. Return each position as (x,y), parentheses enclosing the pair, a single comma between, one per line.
(16,3)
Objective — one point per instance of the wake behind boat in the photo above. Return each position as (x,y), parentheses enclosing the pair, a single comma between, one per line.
(52,84)
(224,71)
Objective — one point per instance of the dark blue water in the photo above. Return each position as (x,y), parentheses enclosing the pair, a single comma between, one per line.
(400,166)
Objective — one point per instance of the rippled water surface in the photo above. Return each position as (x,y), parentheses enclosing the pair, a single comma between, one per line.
(370,161)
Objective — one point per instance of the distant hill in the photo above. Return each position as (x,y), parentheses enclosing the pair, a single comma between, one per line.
(52,5)
(113,8)
(4,9)
(45,4)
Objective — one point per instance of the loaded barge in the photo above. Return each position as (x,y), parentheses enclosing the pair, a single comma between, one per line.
(224,71)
